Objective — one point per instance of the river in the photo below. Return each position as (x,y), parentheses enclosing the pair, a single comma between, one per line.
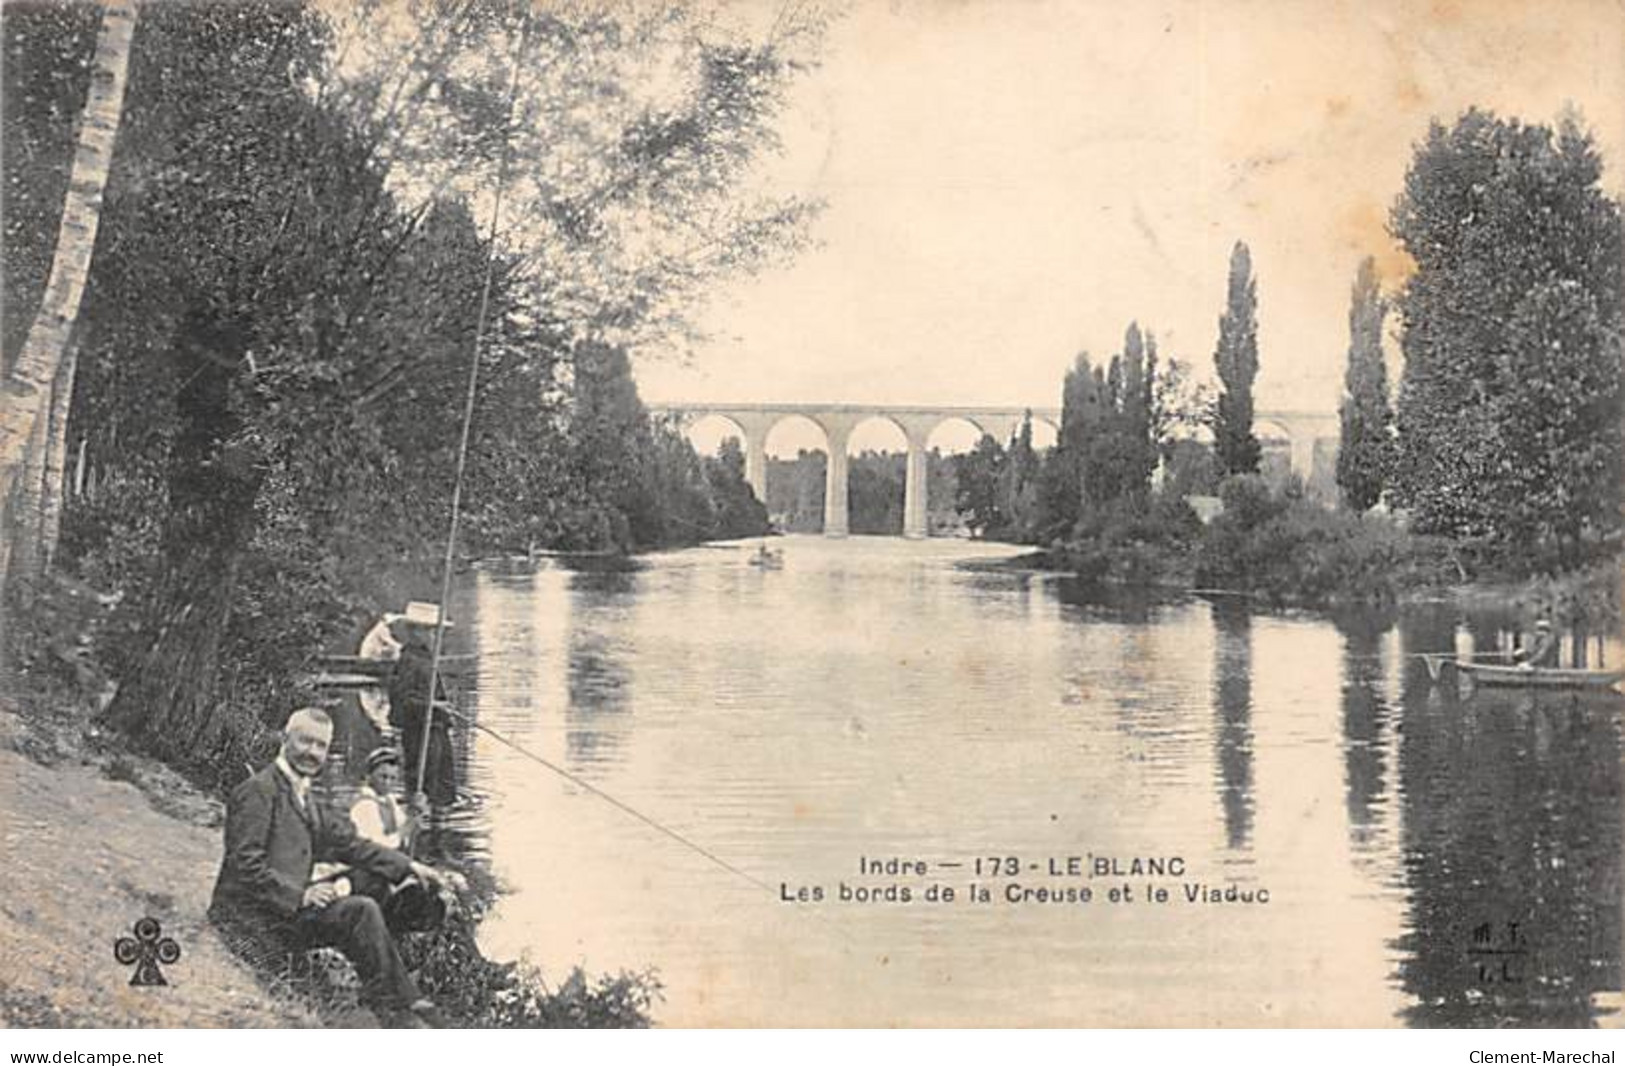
(1412,855)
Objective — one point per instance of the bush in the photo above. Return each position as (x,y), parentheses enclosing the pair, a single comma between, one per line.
(1133,542)
(476,992)
(1291,550)
(1585,600)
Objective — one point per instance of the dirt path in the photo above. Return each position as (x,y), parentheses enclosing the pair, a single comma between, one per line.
(84,857)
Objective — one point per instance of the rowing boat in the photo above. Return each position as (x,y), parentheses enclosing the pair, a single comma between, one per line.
(378,669)
(767,559)
(1538,676)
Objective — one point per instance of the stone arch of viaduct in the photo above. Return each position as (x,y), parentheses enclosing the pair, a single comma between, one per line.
(756,421)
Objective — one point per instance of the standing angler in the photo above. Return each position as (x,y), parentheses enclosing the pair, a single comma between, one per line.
(409,707)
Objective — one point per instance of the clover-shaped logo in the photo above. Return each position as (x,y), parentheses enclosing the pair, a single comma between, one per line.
(145,951)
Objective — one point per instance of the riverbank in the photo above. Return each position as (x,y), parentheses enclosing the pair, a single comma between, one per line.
(98,836)
(1589,599)
(1282,549)
(88,854)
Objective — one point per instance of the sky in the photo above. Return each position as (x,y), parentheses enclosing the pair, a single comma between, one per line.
(1009,183)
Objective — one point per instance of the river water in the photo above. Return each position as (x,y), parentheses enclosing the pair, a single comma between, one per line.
(1427,857)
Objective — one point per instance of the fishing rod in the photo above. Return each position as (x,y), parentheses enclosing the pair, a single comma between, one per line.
(1429,655)
(468,410)
(451,537)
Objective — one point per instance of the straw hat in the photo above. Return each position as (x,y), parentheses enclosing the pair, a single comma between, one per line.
(420,613)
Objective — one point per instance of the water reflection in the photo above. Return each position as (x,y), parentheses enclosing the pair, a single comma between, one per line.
(1366,717)
(600,688)
(872,698)
(1233,702)
(1511,850)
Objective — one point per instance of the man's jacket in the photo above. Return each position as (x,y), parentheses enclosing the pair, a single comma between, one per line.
(271,845)
(409,690)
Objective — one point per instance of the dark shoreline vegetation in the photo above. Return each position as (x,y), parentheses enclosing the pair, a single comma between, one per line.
(1589,599)
(267,388)
(260,409)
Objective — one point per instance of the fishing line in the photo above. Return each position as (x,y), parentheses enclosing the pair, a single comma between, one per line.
(828,917)
(1377,655)
(582,783)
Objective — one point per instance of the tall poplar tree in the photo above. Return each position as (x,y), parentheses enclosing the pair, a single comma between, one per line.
(1236,358)
(1365,449)
(1019,482)
(1139,407)
(1061,490)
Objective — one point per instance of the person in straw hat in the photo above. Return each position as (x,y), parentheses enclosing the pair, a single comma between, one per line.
(409,706)
(1544,648)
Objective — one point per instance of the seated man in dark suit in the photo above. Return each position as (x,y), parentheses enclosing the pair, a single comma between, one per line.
(264,903)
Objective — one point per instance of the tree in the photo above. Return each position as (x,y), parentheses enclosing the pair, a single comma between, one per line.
(738,512)
(1061,491)
(977,497)
(942,489)
(795,491)
(1236,359)
(1138,403)
(280,323)
(1515,307)
(1365,449)
(627,214)
(612,450)
(1180,407)
(26,431)
(1119,444)
(246,297)
(1019,483)
(1109,455)
(1560,499)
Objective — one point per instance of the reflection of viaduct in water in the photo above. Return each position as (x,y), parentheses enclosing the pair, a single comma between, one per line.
(756,420)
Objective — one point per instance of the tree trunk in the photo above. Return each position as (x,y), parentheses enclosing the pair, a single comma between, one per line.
(39,493)
(55,487)
(169,696)
(168,704)
(26,390)
(79,468)
(24,532)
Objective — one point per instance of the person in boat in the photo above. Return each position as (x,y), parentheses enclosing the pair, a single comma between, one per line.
(266,904)
(381,641)
(409,706)
(1542,650)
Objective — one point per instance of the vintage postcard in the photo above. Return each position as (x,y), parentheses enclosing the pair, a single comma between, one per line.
(772,513)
